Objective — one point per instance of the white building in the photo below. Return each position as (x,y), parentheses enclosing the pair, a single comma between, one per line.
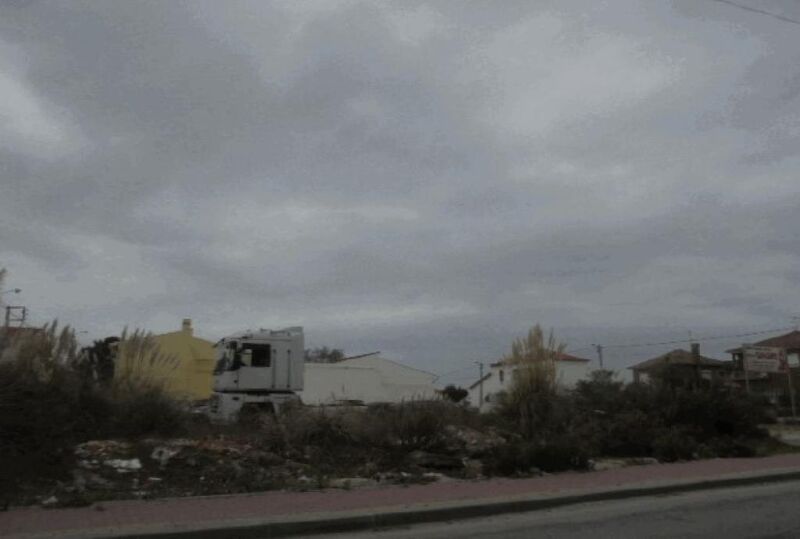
(366,379)
(569,370)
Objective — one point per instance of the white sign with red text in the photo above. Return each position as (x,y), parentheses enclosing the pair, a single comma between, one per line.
(764,359)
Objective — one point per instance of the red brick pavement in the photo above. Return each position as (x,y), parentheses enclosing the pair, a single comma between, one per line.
(120,514)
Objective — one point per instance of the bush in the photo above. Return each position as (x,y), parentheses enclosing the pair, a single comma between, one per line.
(674,444)
(455,394)
(728,447)
(600,393)
(630,433)
(529,400)
(48,404)
(146,410)
(555,455)
(642,420)
(315,427)
(561,453)
(418,425)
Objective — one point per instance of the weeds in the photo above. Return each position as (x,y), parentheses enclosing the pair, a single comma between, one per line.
(48,403)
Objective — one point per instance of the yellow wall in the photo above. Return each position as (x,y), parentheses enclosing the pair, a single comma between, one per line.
(192,376)
(187,372)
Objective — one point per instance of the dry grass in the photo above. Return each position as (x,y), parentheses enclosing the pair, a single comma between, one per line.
(48,403)
(140,362)
(42,353)
(533,388)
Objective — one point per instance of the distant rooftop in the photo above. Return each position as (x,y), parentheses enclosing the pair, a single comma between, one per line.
(787,341)
(678,357)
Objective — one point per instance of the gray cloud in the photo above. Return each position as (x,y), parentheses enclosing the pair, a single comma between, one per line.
(424,178)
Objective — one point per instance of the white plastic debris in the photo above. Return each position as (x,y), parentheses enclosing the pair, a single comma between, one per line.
(124,465)
(163,454)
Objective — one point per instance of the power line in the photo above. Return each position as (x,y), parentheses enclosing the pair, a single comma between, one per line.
(576,350)
(758,11)
(455,371)
(684,341)
(647,344)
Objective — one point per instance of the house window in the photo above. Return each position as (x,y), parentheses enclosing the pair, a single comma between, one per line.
(502,376)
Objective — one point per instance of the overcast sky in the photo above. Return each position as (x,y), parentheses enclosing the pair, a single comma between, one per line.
(424,178)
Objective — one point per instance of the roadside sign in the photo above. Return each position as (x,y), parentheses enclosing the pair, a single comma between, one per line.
(793,360)
(764,359)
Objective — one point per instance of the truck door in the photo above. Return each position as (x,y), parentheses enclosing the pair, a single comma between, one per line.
(257,368)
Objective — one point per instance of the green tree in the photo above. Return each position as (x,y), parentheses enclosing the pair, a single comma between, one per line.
(455,394)
(324,355)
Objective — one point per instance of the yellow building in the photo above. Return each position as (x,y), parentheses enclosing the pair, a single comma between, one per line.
(184,363)
(192,375)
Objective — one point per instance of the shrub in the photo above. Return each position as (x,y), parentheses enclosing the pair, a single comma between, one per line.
(555,455)
(729,447)
(529,401)
(630,433)
(601,393)
(418,425)
(315,427)
(455,394)
(643,420)
(674,444)
(717,412)
(561,453)
(412,425)
(49,403)
(146,410)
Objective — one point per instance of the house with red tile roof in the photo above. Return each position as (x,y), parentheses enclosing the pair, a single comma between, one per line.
(773,385)
(682,368)
(569,370)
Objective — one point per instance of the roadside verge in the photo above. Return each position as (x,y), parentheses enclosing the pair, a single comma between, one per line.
(364,519)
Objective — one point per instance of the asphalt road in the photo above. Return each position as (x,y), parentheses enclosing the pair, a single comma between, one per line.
(768,511)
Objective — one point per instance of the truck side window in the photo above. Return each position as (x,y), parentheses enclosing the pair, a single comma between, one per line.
(261,356)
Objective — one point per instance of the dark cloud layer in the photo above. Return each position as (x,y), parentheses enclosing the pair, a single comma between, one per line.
(426,178)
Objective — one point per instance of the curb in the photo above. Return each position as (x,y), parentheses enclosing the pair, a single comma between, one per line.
(388,517)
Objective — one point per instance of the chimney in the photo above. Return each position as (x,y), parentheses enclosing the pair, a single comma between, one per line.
(696,350)
(187,325)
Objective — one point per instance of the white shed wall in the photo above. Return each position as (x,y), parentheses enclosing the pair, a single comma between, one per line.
(369,379)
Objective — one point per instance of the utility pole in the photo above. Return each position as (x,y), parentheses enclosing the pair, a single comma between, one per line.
(16,314)
(744,367)
(480,385)
(791,384)
(599,348)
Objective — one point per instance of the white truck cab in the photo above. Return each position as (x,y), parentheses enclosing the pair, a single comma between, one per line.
(260,369)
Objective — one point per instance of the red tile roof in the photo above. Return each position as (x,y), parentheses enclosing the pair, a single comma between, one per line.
(677,357)
(788,341)
(568,357)
(14,331)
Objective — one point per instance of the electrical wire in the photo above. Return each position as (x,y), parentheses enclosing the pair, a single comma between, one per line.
(577,350)
(450,373)
(758,11)
(699,339)
(648,344)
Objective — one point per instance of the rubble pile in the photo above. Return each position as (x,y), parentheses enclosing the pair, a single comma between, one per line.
(154,468)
